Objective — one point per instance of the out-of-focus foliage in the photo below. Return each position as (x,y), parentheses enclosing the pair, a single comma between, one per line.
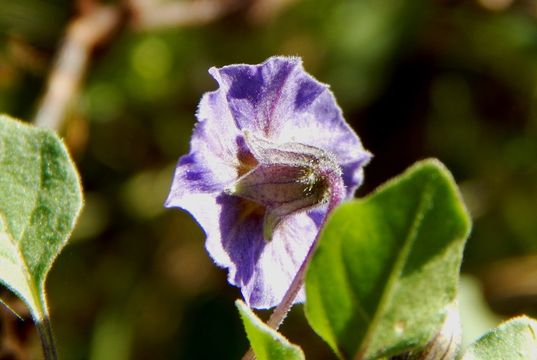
(453,79)
(513,340)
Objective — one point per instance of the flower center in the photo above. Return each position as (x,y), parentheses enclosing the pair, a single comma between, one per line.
(287,179)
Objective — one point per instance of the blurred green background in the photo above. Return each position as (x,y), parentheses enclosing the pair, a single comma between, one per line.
(453,79)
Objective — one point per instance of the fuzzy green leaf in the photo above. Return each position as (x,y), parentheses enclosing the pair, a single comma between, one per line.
(40,198)
(515,339)
(267,343)
(387,266)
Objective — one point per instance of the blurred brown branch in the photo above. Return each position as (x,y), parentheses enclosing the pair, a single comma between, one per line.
(83,34)
(265,10)
(511,285)
(146,15)
(95,25)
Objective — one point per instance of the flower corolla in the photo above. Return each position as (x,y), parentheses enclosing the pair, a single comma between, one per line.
(269,153)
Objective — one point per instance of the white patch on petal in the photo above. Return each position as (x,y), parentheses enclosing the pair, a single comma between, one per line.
(280,261)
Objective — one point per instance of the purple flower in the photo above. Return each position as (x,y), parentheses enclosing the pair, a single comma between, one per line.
(270,151)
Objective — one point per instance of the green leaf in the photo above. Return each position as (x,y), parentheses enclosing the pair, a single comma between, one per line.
(514,339)
(387,266)
(267,343)
(40,198)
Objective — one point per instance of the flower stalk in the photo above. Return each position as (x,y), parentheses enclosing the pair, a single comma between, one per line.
(44,329)
(280,312)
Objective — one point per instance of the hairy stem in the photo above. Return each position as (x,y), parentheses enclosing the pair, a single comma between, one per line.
(44,328)
(280,313)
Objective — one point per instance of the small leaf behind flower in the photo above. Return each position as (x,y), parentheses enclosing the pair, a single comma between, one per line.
(40,198)
(387,266)
(515,339)
(267,343)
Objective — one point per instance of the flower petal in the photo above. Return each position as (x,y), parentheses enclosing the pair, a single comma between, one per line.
(260,96)
(280,261)
(279,101)
(263,270)
(207,210)
(212,162)
(321,124)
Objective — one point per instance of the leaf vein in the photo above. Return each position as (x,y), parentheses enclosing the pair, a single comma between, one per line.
(397,268)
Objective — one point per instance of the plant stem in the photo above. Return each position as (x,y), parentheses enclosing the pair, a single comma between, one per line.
(279,314)
(47,338)
(281,311)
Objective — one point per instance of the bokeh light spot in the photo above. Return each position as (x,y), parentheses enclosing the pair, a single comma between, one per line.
(152,59)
